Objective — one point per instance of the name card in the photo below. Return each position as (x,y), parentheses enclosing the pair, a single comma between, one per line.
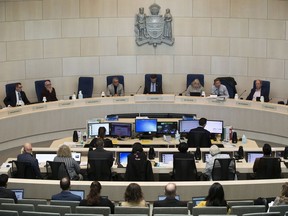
(216,101)
(192,100)
(13,111)
(66,104)
(40,107)
(243,103)
(96,101)
(120,100)
(154,98)
(270,107)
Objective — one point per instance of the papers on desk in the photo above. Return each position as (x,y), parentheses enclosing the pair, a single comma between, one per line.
(228,145)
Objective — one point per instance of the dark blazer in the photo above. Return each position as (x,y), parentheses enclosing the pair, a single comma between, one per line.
(6,193)
(11,99)
(170,202)
(102,202)
(49,96)
(26,157)
(199,137)
(66,195)
(264,93)
(101,153)
(148,87)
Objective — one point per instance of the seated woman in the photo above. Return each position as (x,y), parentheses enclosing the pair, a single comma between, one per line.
(283,198)
(195,86)
(216,196)
(73,168)
(133,196)
(101,135)
(94,198)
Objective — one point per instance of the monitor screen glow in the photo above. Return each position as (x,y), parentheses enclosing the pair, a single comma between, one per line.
(166,127)
(19,193)
(120,129)
(92,129)
(186,125)
(215,127)
(145,125)
(251,157)
(80,193)
(167,158)
(42,158)
(123,158)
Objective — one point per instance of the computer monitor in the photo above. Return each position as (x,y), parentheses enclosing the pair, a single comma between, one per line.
(19,193)
(145,125)
(80,193)
(214,126)
(166,127)
(186,125)
(120,129)
(163,197)
(43,157)
(251,156)
(92,128)
(76,156)
(167,158)
(123,158)
(197,200)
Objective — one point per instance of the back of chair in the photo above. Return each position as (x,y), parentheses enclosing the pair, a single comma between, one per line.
(30,213)
(77,214)
(17,207)
(56,170)
(264,214)
(105,211)
(34,202)
(9,88)
(184,169)
(268,168)
(132,210)
(109,79)
(85,84)
(170,210)
(240,202)
(209,210)
(8,213)
(240,210)
(39,86)
(72,204)
(281,208)
(99,169)
(230,84)
(23,170)
(54,209)
(6,200)
(224,169)
(192,77)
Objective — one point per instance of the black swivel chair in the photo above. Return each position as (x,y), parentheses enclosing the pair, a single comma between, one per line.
(230,84)
(56,170)
(184,169)
(85,84)
(224,169)
(39,86)
(191,77)
(99,169)
(23,170)
(268,168)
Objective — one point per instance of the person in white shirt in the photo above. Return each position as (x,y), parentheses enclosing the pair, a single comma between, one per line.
(219,89)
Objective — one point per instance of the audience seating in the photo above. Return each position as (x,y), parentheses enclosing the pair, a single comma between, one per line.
(132,210)
(34,202)
(39,86)
(170,214)
(105,211)
(240,202)
(72,204)
(268,168)
(129,214)
(184,169)
(170,210)
(120,78)
(196,211)
(240,210)
(17,207)
(192,77)
(77,214)
(30,213)
(224,169)
(6,200)
(8,213)
(264,214)
(54,209)
(56,170)
(281,208)
(85,84)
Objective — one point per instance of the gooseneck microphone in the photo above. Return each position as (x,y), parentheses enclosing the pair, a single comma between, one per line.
(242,93)
(138,89)
(181,93)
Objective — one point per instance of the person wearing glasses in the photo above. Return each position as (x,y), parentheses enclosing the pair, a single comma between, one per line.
(17,97)
(49,92)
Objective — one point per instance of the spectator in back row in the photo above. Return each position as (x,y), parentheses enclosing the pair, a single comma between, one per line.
(65,194)
(4,192)
(283,198)
(133,196)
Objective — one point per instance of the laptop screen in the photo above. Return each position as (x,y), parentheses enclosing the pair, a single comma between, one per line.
(252,156)
(123,158)
(163,197)
(80,193)
(42,158)
(167,158)
(197,200)
(76,156)
(19,193)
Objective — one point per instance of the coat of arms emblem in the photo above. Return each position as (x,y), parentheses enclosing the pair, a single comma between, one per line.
(154,29)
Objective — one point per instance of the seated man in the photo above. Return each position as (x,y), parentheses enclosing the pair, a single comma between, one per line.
(183,151)
(170,200)
(115,88)
(219,89)
(65,194)
(153,86)
(199,136)
(17,97)
(266,153)
(258,91)
(4,192)
(49,92)
(101,135)
(27,156)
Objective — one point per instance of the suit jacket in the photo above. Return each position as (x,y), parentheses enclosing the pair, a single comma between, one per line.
(264,93)
(26,157)
(111,90)
(6,193)
(49,96)
(66,195)
(199,137)
(101,153)
(11,99)
(148,87)
(170,202)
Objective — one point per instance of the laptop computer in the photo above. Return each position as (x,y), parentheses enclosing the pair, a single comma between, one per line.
(195,94)
(163,197)
(197,200)
(77,156)
(80,193)
(19,193)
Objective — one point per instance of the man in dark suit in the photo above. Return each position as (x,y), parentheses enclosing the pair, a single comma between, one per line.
(153,87)
(258,91)
(17,97)
(4,192)
(170,200)
(100,160)
(199,136)
(65,194)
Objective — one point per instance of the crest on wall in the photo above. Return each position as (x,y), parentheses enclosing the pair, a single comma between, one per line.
(154,29)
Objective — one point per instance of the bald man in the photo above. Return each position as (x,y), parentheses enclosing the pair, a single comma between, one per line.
(65,194)
(27,156)
(170,200)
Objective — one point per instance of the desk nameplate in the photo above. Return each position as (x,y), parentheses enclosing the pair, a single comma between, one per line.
(189,100)
(120,100)
(90,102)
(39,107)
(269,107)
(217,101)
(243,103)
(66,104)
(13,111)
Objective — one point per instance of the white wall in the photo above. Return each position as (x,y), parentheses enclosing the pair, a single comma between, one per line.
(64,39)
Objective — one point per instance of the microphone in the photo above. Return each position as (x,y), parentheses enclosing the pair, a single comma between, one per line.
(180,94)
(242,93)
(138,89)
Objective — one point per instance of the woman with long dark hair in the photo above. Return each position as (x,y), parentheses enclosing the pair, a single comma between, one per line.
(216,196)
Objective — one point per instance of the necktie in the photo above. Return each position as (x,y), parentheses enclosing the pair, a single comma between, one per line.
(19,96)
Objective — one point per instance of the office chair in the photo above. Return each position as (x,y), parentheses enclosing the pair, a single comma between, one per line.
(210,210)
(184,169)
(230,84)
(39,86)
(85,84)
(268,168)
(10,87)
(224,169)
(105,211)
(17,207)
(23,170)
(147,79)
(120,78)
(191,77)
(265,86)
(56,170)
(99,169)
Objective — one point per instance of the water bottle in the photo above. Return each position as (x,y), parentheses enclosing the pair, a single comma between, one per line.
(244,139)
(84,137)
(177,135)
(262,99)
(103,94)
(74,96)
(44,99)
(236,97)
(80,95)
(203,94)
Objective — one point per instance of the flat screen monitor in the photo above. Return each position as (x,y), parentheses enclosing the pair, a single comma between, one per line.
(42,158)
(92,128)
(214,126)
(197,200)
(19,193)
(123,158)
(120,129)
(167,158)
(251,156)
(186,125)
(145,125)
(164,127)
(80,193)
(163,197)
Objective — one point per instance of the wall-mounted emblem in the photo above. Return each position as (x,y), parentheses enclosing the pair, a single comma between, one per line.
(154,29)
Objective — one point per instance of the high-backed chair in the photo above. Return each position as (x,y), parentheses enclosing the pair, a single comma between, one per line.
(105,211)
(184,169)
(281,208)
(6,200)
(265,86)
(240,210)
(109,79)
(77,214)
(230,84)
(240,202)
(30,213)
(264,214)
(170,210)
(99,169)
(34,202)
(23,170)
(54,209)
(85,84)
(219,210)
(72,204)
(147,81)
(56,170)
(133,210)
(39,86)
(191,77)
(9,213)
(224,169)
(268,168)
(17,207)
(10,87)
